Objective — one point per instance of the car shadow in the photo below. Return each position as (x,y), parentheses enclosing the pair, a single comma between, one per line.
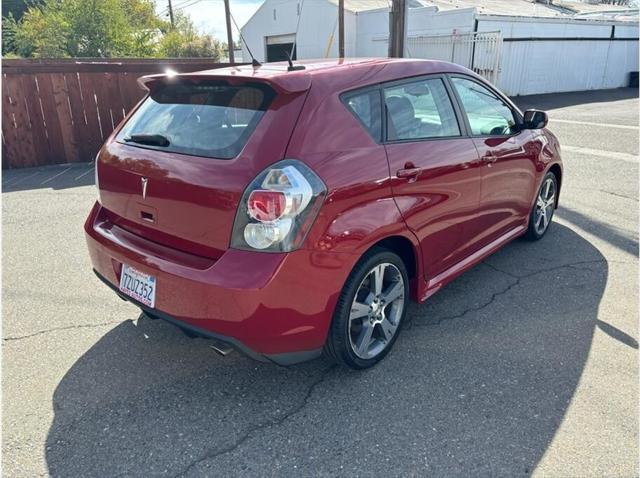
(573,98)
(624,240)
(477,384)
(56,177)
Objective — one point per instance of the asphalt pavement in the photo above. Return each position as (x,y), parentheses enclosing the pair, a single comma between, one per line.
(526,365)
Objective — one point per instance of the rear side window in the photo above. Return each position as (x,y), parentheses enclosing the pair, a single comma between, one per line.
(365,105)
(212,119)
(420,110)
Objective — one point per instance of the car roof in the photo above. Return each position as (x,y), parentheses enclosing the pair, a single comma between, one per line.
(328,65)
(328,71)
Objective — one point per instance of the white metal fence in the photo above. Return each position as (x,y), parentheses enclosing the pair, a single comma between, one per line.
(478,51)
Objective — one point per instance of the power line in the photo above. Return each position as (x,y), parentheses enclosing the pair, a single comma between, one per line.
(187,4)
(184,4)
(181,6)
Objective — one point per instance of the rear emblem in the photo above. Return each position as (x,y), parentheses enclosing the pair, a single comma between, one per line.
(144,187)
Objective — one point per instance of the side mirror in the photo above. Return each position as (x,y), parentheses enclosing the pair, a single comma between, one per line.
(534,119)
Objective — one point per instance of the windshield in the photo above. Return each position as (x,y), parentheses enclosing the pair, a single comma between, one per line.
(212,119)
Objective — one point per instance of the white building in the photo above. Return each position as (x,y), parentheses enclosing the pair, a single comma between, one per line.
(272,29)
(532,47)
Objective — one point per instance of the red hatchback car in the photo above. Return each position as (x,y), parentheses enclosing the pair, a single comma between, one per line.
(285,211)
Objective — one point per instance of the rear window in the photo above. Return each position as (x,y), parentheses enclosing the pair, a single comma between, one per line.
(212,119)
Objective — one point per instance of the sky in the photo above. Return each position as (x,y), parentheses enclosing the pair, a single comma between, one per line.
(208,15)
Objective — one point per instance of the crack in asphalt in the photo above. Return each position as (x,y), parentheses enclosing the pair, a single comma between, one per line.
(66,327)
(495,295)
(501,271)
(412,323)
(215,453)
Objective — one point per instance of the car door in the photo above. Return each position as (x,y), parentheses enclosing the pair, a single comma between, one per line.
(508,155)
(434,168)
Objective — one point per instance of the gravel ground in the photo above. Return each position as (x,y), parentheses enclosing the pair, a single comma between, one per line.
(527,364)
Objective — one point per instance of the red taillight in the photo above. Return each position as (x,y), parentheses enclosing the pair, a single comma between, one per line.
(266,206)
(278,208)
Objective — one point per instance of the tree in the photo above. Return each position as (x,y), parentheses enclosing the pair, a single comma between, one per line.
(85,28)
(16,8)
(9,27)
(183,41)
(41,35)
(102,28)
(105,28)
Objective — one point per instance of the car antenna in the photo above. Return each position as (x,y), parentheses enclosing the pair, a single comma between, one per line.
(255,63)
(291,66)
(293,45)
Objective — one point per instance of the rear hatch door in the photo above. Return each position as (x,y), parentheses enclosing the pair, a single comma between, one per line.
(176,170)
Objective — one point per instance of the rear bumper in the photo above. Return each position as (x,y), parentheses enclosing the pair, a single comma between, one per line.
(288,358)
(272,307)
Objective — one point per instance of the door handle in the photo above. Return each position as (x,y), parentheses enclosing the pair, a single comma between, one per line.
(489,158)
(409,172)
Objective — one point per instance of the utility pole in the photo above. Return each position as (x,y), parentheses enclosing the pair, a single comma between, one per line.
(227,13)
(340,28)
(397,25)
(171,14)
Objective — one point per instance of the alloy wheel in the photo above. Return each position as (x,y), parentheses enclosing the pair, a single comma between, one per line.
(545,205)
(376,310)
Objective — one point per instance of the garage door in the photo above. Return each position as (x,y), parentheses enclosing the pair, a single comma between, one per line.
(279,46)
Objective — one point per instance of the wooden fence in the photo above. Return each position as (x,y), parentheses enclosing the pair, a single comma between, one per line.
(61,111)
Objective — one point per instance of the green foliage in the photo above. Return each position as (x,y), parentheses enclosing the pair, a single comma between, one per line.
(97,28)
(41,34)
(184,42)
(9,27)
(102,28)
(16,8)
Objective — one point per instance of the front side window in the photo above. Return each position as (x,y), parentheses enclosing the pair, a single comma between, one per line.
(419,110)
(488,115)
(365,105)
(212,119)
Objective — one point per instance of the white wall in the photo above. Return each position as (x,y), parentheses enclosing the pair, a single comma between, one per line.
(532,67)
(427,21)
(372,33)
(318,22)
(373,26)
(527,67)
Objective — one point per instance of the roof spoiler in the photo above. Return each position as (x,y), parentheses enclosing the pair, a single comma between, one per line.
(283,83)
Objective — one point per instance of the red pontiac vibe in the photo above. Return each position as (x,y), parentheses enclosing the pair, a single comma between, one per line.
(290,211)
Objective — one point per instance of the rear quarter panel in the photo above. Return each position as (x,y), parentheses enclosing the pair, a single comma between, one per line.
(359,209)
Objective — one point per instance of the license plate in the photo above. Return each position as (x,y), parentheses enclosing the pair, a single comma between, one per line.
(138,285)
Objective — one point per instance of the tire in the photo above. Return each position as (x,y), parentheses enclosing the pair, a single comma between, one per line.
(546,200)
(372,316)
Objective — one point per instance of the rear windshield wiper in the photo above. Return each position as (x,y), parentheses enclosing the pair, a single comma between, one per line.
(152,139)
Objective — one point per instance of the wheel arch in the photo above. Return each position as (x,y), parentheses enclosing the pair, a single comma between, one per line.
(409,252)
(363,227)
(404,248)
(556,169)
